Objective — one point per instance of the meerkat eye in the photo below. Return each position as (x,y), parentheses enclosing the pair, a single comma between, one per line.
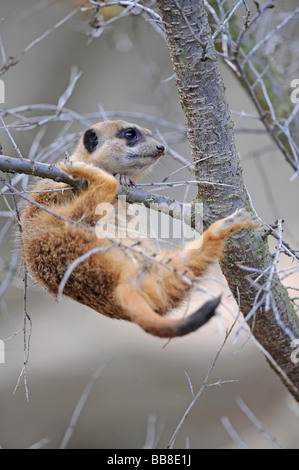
(130,134)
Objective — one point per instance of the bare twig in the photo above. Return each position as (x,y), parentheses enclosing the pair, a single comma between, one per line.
(26,319)
(75,75)
(75,263)
(41,443)
(151,432)
(13,61)
(259,425)
(80,405)
(226,20)
(270,35)
(233,433)
(202,388)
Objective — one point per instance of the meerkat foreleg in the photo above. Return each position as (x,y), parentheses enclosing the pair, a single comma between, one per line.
(102,188)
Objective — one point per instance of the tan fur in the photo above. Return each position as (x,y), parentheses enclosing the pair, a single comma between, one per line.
(115,281)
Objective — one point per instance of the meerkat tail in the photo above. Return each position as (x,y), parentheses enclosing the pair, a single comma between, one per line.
(138,310)
(198,318)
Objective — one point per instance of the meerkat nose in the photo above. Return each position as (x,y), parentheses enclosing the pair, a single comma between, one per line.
(160,148)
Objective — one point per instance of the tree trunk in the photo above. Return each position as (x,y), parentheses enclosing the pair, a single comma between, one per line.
(210,132)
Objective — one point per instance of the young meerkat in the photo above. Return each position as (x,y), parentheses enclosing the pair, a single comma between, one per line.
(59,232)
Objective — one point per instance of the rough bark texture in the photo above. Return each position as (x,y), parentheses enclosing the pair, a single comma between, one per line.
(210,132)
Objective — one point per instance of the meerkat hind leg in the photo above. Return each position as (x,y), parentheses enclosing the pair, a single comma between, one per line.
(200,254)
(223,228)
(139,311)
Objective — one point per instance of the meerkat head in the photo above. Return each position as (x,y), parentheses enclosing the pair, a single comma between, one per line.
(119,147)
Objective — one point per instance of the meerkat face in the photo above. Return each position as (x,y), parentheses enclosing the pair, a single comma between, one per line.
(119,147)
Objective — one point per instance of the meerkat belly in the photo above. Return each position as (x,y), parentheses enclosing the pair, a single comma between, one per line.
(128,224)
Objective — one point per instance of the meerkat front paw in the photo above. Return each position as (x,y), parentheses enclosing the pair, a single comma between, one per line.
(76,169)
(87,172)
(124,179)
(240,219)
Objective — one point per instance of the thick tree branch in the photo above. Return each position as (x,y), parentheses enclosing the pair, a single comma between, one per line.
(210,132)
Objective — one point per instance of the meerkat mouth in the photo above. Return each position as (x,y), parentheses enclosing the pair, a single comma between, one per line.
(144,158)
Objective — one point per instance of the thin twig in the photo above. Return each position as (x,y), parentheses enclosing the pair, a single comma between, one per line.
(233,433)
(202,388)
(259,425)
(80,405)
(75,263)
(270,35)
(13,61)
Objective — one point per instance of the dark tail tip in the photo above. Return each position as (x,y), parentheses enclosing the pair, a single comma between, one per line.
(198,318)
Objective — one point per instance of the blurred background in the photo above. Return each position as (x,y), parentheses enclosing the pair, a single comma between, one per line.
(144,388)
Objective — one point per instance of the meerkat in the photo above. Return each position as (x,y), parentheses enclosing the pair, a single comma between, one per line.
(115,277)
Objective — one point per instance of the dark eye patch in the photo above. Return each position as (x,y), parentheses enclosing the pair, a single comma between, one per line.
(90,140)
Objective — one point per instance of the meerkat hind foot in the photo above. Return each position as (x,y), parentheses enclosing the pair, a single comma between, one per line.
(236,221)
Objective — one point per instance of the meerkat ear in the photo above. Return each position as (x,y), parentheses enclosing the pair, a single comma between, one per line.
(90,140)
